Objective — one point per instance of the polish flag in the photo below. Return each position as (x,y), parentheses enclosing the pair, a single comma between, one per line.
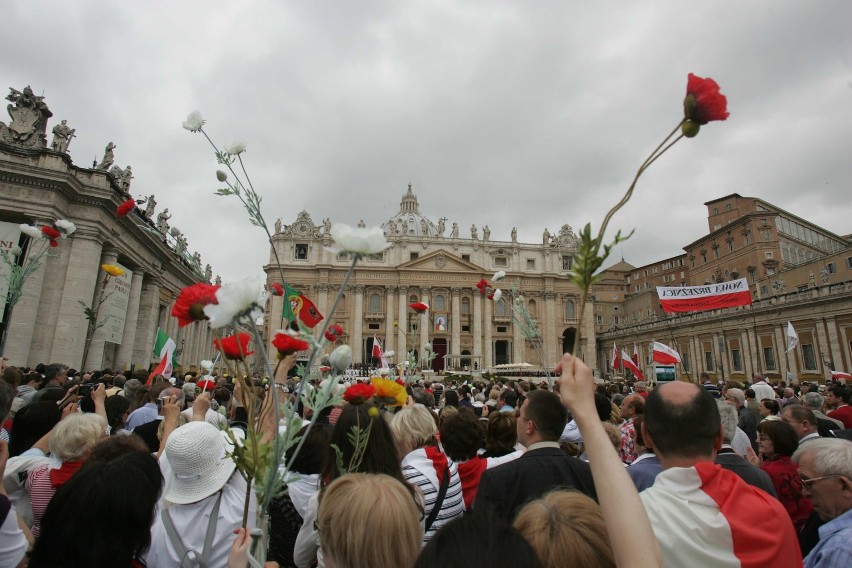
(378,353)
(614,362)
(664,354)
(634,368)
(708,297)
(840,375)
(635,353)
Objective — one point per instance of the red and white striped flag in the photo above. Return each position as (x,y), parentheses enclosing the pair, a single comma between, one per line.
(635,353)
(664,354)
(614,362)
(378,352)
(708,297)
(633,367)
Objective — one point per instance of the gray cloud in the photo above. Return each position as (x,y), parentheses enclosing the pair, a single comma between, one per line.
(528,115)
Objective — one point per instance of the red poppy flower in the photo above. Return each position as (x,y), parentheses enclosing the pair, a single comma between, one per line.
(125,208)
(333,332)
(400,382)
(287,344)
(324,368)
(703,101)
(277,289)
(206,385)
(482,285)
(358,393)
(54,243)
(50,232)
(234,346)
(419,307)
(189,306)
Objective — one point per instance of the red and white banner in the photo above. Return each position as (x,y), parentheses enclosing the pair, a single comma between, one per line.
(629,364)
(840,376)
(614,361)
(664,355)
(708,297)
(378,353)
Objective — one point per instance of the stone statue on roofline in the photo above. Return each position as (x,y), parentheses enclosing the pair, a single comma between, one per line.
(362,224)
(109,157)
(545,238)
(29,115)
(326,226)
(196,257)
(442,226)
(150,205)
(514,234)
(424,227)
(474,234)
(163,221)
(208,273)
(278,225)
(62,135)
(486,233)
(455,231)
(218,280)
(126,179)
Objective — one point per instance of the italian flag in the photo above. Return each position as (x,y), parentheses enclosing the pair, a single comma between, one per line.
(164,348)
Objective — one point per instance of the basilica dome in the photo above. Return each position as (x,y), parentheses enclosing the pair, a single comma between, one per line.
(408,221)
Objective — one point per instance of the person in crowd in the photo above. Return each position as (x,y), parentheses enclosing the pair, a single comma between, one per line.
(761,388)
(426,467)
(814,402)
(731,460)
(13,540)
(204,496)
(777,441)
(501,435)
(631,407)
(151,431)
(31,424)
(288,510)
(639,388)
(645,468)
(150,411)
(542,468)
(462,437)
(385,503)
(790,397)
(131,387)
(840,396)
(378,456)
(118,411)
(566,524)
(747,419)
(769,409)
(7,395)
(480,538)
(702,514)
(507,400)
(751,401)
(803,421)
(69,443)
(55,377)
(451,398)
(825,470)
(102,515)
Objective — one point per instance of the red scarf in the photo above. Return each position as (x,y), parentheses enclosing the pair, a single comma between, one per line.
(61,475)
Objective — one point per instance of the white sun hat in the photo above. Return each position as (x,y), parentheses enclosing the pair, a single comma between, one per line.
(199,467)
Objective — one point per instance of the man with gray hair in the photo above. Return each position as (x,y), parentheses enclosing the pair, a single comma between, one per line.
(747,419)
(825,468)
(728,458)
(814,401)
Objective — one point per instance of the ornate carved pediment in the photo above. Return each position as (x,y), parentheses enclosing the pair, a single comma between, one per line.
(29,119)
(566,238)
(303,227)
(443,261)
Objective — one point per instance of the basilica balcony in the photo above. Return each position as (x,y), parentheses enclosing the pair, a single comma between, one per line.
(374,316)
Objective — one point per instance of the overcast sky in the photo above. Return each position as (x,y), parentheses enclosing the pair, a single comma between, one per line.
(527,114)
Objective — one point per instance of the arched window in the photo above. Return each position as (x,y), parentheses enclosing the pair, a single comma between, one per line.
(531,307)
(375,303)
(440,303)
(465,306)
(412,299)
(569,310)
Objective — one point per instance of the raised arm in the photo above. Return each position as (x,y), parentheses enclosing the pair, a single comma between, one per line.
(623,512)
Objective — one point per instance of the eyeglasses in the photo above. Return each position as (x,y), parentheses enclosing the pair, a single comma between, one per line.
(809,482)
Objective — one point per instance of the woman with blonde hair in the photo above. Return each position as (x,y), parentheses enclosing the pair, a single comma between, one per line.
(358,511)
(426,466)
(566,524)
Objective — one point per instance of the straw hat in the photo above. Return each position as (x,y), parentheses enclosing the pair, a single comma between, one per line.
(199,467)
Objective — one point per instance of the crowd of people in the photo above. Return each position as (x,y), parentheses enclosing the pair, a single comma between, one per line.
(102,469)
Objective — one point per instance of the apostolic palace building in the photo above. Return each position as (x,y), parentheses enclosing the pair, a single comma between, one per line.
(797,272)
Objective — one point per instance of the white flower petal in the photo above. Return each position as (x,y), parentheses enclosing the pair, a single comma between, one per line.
(389,354)
(499,275)
(359,240)
(383,371)
(341,358)
(194,121)
(498,294)
(65,227)
(31,232)
(235,300)
(206,364)
(236,147)
(15,250)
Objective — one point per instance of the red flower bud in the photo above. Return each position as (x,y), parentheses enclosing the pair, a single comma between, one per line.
(286,344)
(419,307)
(703,101)
(189,305)
(50,232)
(234,346)
(126,207)
(333,332)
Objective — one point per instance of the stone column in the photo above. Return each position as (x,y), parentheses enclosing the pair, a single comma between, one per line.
(721,364)
(402,322)
(755,353)
(695,346)
(833,344)
(819,349)
(477,329)
(745,349)
(358,324)
(518,342)
(389,329)
(131,323)
(424,321)
(146,331)
(322,300)
(550,338)
(487,358)
(455,348)
(80,283)
(786,361)
(589,336)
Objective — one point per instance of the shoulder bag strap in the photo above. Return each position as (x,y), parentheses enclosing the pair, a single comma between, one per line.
(439,501)
(181,550)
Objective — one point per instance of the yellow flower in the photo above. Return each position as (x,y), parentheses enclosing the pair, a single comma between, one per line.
(373,412)
(389,392)
(112,269)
